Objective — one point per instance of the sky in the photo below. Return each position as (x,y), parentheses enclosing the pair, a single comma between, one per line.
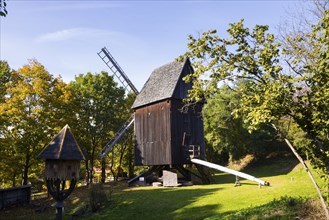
(65,36)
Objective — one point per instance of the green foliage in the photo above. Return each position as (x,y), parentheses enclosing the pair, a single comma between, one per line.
(247,55)
(122,155)
(5,73)
(298,90)
(32,109)
(97,197)
(98,111)
(3,8)
(310,103)
(227,134)
(34,106)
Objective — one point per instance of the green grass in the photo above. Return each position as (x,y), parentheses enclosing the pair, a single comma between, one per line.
(216,200)
(284,199)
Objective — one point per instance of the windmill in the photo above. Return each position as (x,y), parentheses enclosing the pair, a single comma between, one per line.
(167,136)
(164,135)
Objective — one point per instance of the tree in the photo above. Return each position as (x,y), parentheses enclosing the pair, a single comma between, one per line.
(297,54)
(229,135)
(98,102)
(245,55)
(299,90)
(310,104)
(5,73)
(122,155)
(3,8)
(31,110)
(129,155)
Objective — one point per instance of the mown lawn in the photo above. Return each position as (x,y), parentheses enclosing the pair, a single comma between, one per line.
(284,199)
(287,179)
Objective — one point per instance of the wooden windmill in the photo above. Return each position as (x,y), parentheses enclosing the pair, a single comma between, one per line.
(165,134)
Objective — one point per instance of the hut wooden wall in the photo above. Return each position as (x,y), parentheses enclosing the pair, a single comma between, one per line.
(189,122)
(17,195)
(62,169)
(152,134)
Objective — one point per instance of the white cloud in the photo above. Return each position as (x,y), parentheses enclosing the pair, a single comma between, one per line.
(74,34)
(74,6)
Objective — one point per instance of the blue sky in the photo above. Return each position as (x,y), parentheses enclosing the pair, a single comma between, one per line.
(65,36)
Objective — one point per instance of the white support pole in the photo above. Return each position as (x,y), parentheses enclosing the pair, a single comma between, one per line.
(227,170)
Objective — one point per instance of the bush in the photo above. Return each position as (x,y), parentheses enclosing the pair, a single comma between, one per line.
(97,196)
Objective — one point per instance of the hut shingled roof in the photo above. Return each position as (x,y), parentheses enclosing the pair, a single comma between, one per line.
(161,84)
(62,147)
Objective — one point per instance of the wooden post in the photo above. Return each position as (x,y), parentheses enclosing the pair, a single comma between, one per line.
(323,202)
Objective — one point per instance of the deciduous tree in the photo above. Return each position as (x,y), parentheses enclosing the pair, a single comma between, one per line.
(99,103)
(229,135)
(299,90)
(33,107)
(3,8)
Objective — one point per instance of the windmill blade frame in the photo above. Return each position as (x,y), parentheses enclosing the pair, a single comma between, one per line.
(113,65)
(111,143)
(115,68)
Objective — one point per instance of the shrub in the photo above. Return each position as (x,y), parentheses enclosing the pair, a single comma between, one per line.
(97,196)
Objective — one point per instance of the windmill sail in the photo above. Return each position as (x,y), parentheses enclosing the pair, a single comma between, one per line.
(109,60)
(117,137)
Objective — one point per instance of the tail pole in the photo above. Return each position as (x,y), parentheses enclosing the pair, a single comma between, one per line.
(227,170)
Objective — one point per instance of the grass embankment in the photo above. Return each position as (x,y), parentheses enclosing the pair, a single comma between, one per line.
(291,194)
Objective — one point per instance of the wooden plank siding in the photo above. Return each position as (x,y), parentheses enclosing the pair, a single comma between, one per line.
(189,122)
(152,134)
(159,132)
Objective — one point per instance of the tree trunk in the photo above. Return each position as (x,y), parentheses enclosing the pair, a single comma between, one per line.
(92,164)
(120,171)
(131,164)
(323,202)
(26,169)
(14,180)
(103,171)
(111,168)
(87,172)
(91,170)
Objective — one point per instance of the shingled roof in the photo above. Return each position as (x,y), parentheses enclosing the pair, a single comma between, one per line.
(62,147)
(161,84)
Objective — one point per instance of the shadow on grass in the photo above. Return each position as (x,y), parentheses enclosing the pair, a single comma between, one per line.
(266,167)
(162,203)
(272,166)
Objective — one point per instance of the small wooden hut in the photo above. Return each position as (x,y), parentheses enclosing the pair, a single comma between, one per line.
(164,131)
(62,156)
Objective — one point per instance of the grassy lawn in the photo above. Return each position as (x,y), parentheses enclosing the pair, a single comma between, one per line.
(214,201)
(290,186)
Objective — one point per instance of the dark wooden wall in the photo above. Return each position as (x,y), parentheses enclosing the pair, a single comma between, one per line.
(186,123)
(18,195)
(152,134)
(182,87)
(160,130)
